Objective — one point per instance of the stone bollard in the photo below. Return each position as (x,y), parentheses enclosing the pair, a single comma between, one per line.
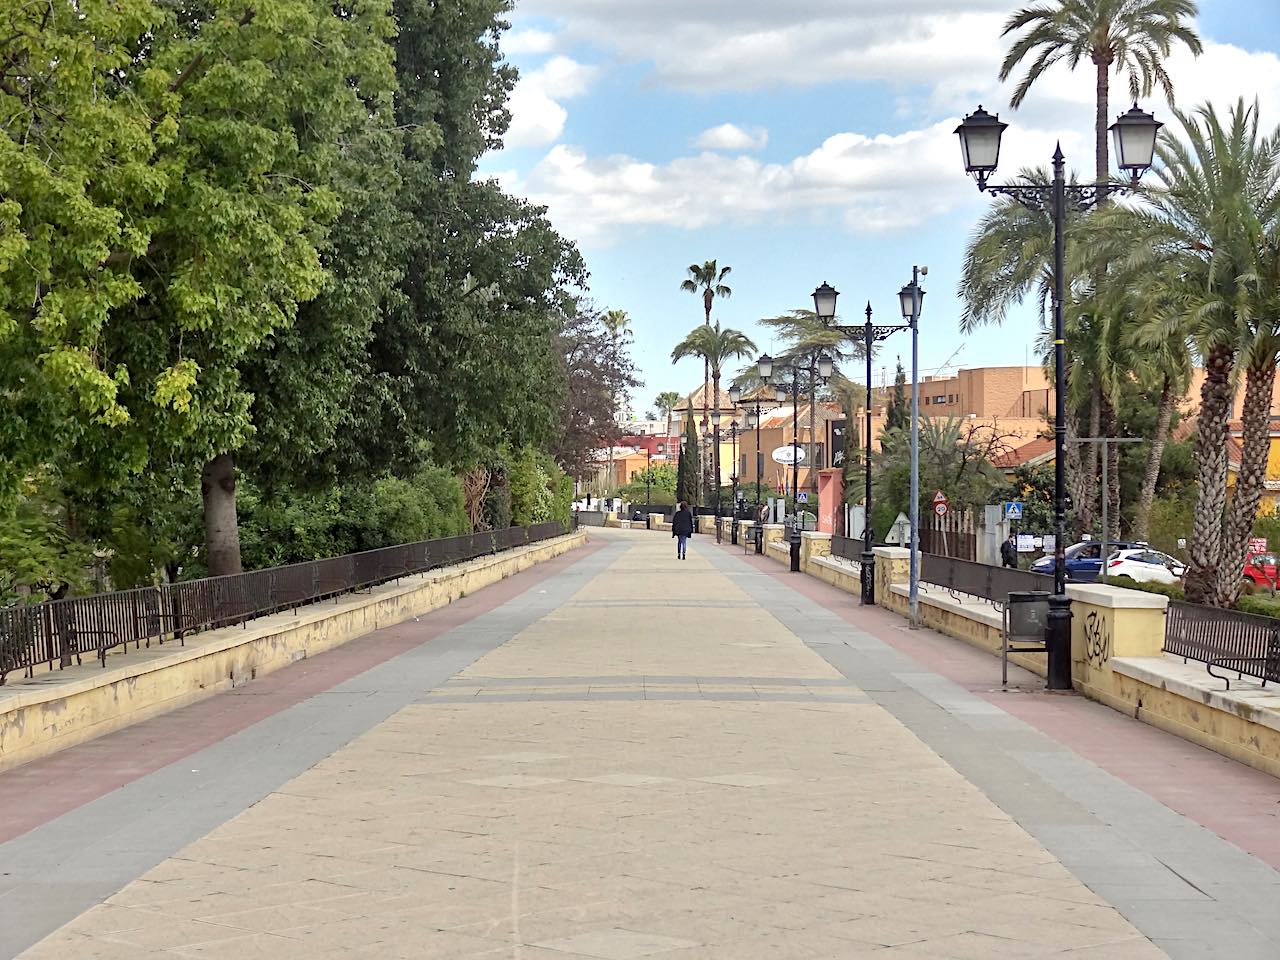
(893,565)
(1110,622)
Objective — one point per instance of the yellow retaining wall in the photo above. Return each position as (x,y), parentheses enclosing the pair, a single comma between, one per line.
(38,718)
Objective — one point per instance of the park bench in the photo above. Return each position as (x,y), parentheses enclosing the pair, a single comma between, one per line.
(1239,643)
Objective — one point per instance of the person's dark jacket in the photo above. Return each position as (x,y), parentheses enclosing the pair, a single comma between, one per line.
(682,524)
(1008,554)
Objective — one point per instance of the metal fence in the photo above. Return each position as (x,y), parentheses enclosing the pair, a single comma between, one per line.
(62,631)
(847,548)
(1241,643)
(993,584)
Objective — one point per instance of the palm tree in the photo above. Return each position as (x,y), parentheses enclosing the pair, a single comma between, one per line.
(666,402)
(716,347)
(1213,218)
(708,282)
(1131,36)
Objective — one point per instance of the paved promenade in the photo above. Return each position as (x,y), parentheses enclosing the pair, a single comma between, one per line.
(617,756)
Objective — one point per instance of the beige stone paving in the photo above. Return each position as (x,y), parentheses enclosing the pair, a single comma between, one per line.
(619,829)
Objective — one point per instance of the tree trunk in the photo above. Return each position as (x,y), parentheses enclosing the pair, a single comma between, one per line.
(1110,427)
(1102,105)
(1147,495)
(1087,504)
(1201,580)
(1251,481)
(221,530)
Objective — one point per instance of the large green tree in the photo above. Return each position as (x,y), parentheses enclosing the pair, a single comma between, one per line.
(688,480)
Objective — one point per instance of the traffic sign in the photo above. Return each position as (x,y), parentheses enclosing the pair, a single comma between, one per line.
(1012,510)
(802,496)
(940,508)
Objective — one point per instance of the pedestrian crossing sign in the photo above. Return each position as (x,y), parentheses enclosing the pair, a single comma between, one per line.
(1013,510)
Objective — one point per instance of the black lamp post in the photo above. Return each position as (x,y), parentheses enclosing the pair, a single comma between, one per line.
(767,361)
(764,366)
(733,481)
(824,304)
(1135,139)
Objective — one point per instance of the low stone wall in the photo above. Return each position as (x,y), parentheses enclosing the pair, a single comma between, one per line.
(57,710)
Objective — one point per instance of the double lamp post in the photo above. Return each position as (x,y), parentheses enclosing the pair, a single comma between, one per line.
(1135,139)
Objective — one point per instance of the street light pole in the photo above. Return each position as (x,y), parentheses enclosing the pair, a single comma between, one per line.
(911,298)
(715,455)
(1135,137)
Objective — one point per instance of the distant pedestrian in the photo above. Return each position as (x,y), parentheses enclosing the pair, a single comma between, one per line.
(1009,552)
(682,528)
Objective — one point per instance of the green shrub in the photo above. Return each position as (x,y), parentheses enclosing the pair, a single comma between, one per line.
(1171,590)
(1259,605)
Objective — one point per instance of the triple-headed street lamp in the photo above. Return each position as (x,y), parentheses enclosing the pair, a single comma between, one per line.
(911,298)
(766,367)
(1135,140)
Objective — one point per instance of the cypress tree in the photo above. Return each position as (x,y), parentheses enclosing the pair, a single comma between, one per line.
(687,475)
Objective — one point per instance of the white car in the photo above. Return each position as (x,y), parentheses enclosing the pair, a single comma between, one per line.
(1145,566)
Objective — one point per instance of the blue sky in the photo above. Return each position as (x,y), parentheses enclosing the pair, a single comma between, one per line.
(839,163)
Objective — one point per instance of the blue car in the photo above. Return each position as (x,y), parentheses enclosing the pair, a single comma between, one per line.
(1084,559)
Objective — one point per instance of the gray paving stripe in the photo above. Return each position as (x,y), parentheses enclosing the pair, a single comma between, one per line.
(656,697)
(1194,894)
(473,681)
(54,873)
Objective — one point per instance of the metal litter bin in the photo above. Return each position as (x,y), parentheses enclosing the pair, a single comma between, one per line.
(1026,624)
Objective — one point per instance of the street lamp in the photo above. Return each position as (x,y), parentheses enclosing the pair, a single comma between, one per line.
(764,367)
(824,300)
(766,362)
(733,478)
(1135,138)
(911,300)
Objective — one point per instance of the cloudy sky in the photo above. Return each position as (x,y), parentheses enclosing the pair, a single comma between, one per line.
(800,141)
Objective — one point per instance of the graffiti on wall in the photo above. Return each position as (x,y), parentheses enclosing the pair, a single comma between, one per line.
(1097,640)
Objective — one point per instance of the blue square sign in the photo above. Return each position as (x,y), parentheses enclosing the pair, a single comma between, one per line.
(1012,510)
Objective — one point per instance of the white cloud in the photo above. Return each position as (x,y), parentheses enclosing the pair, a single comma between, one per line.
(528,41)
(537,116)
(729,136)
(876,183)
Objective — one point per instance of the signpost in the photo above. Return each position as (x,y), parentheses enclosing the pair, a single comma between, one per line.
(941,507)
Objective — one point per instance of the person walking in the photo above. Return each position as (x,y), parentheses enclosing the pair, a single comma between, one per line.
(682,528)
(1009,552)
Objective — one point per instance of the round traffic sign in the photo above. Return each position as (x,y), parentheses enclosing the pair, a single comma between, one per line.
(940,508)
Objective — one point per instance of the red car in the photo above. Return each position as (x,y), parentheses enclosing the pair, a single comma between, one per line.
(1260,571)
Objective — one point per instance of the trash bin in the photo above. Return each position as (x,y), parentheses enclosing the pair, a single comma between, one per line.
(1028,615)
(1026,623)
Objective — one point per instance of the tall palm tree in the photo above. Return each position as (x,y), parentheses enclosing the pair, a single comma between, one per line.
(717,347)
(666,402)
(1133,37)
(706,281)
(1212,217)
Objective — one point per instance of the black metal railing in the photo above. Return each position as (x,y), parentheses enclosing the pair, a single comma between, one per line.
(62,631)
(1241,643)
(847,548)
(980,580)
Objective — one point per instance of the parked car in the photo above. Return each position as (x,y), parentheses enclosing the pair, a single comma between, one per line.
(1260,571)
(1084,559)
(1145,566)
